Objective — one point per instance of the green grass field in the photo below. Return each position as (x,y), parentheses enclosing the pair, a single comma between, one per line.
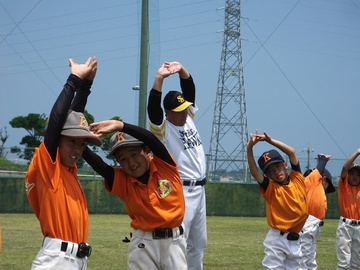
(233,242)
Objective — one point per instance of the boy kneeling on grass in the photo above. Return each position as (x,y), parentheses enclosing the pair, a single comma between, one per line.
(286,208)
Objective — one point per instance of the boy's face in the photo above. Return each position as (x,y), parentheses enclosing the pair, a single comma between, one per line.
(71,149)
(177,118)
(133,159)
(354,177)
(277,172)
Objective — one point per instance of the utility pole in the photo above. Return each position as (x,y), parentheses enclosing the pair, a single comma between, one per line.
(308,150)
(144,63)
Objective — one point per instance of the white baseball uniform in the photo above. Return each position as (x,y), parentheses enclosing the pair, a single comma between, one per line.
(185,145)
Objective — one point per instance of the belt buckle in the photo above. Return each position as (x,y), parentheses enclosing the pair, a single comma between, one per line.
(192,185)
(292,236)
(160,234)
(204,181)
(84,250)
(354,222)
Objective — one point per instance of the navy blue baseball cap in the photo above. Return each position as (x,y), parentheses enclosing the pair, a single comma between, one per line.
(354,166)
(268,158)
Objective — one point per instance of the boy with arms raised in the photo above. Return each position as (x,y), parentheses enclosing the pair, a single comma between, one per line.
(52,186)
(348,231)
(318,182)
(285,197)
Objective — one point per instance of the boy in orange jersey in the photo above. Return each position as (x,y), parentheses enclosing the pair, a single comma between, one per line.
(151,189)
(52,185)
(285,197)
(318,182)
(348,231)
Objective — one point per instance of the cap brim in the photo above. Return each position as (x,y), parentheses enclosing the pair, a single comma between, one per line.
(121,145)
(271,162)
(182,107)
(82,134)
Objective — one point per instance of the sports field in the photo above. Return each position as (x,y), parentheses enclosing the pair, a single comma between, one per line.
(233,242)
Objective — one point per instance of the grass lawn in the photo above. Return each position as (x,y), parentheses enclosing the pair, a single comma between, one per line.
(233,242)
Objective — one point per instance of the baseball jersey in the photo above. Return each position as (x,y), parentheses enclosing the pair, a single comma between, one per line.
(184,144)
(349,199)
(315,195)
(159,204)
(47,181)
(286,208)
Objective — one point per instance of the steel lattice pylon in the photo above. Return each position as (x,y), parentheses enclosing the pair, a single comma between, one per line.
(227,157)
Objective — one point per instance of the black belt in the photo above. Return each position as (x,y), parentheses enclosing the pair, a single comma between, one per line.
(165,233)
(84,249)
(352,222)
(197,183)
(291,236)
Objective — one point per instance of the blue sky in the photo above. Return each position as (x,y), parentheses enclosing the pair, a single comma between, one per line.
(300,58)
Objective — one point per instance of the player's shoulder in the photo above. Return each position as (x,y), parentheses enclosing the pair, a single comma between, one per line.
(295,175)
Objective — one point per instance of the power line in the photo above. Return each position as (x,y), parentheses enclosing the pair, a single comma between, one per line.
(16,24)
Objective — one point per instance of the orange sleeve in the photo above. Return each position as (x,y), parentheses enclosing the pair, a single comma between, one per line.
(315,195)
(348,199)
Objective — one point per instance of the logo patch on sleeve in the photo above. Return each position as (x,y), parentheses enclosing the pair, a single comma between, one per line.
(29,187)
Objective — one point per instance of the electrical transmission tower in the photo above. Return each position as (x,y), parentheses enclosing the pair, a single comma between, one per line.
(229,135)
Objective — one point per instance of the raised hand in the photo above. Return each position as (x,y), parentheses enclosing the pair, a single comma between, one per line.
(106,127)
(255,138)
(93,70)
(266,137)
(83,70)
(326,156)
(163,71)
(173,67)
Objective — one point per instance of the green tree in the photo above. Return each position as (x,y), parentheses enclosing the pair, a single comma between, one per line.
(34,125)
(3,138)
(89,117)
